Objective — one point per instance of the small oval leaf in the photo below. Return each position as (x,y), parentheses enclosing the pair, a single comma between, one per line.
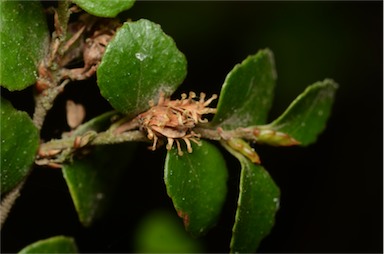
(90,184)
(19,144)
(258,203)
(247,93)
(107,9)
(138,63)
(196,182)
(56,244)
(24,42)
(92,180)
(307,115)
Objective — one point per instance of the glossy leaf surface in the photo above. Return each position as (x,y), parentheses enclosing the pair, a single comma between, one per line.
(138,63)
(307,115)
(24,41)
(196,182)
(92,180)
(56,244)
(258,203)
(107,9)
(247,93)
(19,144)
(162,232)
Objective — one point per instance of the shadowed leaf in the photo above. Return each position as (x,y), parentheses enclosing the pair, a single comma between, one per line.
(92,180)
(56,244)
(19,144)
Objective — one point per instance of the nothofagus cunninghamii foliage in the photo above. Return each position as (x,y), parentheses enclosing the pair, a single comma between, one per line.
(138,69)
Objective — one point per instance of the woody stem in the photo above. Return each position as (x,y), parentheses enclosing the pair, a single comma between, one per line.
(218,133)
(68,145)
(44,102)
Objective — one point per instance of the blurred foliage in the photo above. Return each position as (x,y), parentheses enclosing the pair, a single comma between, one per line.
(162,232)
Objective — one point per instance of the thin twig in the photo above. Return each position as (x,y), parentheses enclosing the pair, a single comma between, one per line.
(8,201)
(44,102)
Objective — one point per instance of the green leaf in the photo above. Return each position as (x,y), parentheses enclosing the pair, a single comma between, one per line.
(90,184)
(307,115)
(196,182)
(247,93)
(138,63)
(19,144)
(258,203)
(24,42)
(161,232)
(92,180)
(107,9)
(97,124)
(56,244)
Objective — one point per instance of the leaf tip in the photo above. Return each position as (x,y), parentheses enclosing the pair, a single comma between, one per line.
(331,83)
(271,59)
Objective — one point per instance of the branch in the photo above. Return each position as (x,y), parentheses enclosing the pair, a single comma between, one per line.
(58,151)
(44,102)
(8,201)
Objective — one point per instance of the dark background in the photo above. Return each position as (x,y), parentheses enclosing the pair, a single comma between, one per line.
(332,192)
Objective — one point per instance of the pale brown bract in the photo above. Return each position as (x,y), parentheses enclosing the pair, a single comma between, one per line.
(175,119)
